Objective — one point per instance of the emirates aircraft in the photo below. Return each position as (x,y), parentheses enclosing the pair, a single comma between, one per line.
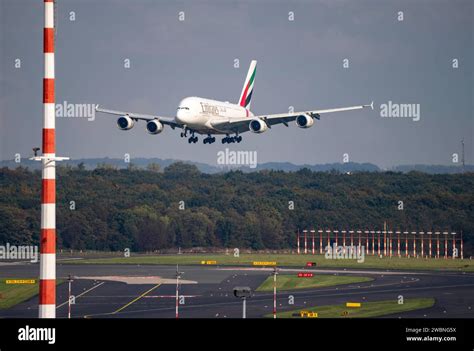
(208,117)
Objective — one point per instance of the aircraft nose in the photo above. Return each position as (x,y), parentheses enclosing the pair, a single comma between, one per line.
(182,116)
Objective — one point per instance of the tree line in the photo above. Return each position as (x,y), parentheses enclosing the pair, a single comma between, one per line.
(145,210)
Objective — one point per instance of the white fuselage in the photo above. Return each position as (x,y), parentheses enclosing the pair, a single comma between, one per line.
(198,113)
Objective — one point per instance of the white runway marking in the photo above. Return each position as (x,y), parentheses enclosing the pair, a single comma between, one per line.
(81,294)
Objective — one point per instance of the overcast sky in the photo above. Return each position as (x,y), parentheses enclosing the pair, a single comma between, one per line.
(300,64)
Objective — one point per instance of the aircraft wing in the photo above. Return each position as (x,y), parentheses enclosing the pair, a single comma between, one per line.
(241,125)
(138,116)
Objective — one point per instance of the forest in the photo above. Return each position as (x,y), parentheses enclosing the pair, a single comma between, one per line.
(178,206)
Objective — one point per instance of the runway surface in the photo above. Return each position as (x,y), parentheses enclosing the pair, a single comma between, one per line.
(208,292)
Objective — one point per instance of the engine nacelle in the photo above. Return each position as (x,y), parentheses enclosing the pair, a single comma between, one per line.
(154,126)
(125,123)
(304,121)
(257,125)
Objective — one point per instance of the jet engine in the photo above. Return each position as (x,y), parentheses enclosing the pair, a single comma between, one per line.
(257,126)
(154,126)
(125,123)
(304,121)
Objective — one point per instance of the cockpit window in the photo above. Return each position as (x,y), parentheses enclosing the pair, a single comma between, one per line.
(183,108)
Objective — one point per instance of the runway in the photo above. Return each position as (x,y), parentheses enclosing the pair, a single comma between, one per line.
(208,291)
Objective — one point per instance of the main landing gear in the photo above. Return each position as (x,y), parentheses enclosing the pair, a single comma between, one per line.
(192,138)
(230,140)
(209,140)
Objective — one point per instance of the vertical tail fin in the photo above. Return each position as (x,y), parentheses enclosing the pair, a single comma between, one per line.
(246,95)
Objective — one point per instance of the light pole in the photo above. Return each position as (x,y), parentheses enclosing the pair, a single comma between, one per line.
(243,292)
(178,275)
(69,298)
(275,272)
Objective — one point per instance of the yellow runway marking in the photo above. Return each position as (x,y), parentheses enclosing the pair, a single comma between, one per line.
(136,299)
(85,292)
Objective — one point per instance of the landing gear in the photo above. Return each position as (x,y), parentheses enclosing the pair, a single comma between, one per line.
(185,133)
(193,140)
(230,140)
(209,140)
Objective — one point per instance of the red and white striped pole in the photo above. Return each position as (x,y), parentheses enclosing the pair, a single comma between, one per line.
(69,298)
(399,253)
(373,242)
(298,242)
(177,297)
(329,238)
(390,247)
(312,237)
(360,244)
(378,242)
(462,254)
(406,243)
(178,275)
(455,254)
(335,236)
(344,241)
(320,241)
(275,293)
(352,238)
(437,244)
(429,244)
(414,244)
(305,232)
(422,249)
(47,283)
(445,245)
(366,232)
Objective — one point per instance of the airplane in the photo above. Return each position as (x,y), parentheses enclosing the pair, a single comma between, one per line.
(197,115)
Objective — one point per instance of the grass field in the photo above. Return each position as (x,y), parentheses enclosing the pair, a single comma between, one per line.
(12,294)
(289,260)
(292,282)
(367,310)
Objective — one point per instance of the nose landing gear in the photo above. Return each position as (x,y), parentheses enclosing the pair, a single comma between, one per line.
(185,133)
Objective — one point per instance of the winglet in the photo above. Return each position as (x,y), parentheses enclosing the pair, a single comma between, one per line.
(96,107)
(371,105)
